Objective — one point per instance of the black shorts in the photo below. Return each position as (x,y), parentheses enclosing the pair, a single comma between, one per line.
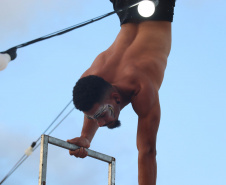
(163,12)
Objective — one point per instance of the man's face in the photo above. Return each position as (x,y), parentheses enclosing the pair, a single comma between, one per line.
(105,115)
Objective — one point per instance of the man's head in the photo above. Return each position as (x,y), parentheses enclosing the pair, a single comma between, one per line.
(98,100)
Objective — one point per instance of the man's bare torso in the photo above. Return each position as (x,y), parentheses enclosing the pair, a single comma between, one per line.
(137,59)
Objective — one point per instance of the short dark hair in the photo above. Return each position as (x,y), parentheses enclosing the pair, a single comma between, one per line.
(88,91)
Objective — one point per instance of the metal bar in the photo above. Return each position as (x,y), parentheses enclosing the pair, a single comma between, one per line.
(91,153)
(111,173)
(63,144)
(43,160)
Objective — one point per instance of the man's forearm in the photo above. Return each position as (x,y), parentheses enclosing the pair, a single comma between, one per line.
(89,128)
(147,169)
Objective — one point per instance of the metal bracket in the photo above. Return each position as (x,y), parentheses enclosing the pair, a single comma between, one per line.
(45,140)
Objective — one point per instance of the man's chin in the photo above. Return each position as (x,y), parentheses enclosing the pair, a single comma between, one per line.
(115,124)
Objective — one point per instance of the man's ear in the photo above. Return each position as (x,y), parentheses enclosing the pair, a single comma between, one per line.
(116,97)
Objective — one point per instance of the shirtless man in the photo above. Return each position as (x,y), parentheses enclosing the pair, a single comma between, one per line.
(131,70)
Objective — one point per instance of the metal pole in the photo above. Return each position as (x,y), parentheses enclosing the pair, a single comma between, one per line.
(111,173)
(43,160)
(91,153)
(63,144)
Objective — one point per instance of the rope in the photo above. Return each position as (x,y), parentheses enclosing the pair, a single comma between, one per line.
(24,157)
(63,31)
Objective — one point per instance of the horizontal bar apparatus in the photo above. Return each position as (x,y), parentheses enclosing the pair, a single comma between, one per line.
(63,144)
(91,153)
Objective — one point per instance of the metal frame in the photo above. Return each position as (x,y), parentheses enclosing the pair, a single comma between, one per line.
(45,140)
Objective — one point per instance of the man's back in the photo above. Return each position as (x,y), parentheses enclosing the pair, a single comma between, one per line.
(138,54)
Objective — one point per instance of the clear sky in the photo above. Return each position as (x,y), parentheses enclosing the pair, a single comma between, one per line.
(38,84)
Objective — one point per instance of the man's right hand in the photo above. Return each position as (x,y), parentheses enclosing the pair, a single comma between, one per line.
(83,143)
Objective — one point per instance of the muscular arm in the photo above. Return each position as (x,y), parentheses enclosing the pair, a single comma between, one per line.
(89,128)
(146,105)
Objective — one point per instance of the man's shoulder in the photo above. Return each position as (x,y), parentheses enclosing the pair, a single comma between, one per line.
(145,99)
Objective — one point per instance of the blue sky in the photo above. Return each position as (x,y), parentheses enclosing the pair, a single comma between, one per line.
(38,84)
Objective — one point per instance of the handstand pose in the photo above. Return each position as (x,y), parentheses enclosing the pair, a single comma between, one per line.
(131,70)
